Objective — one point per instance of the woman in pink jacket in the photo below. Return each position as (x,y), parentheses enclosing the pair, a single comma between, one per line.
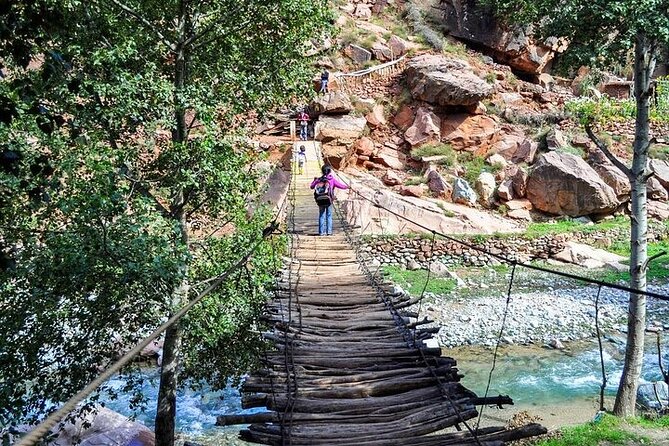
(324,195)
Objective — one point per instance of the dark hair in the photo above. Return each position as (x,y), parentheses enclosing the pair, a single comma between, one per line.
(302,148)
(326,169)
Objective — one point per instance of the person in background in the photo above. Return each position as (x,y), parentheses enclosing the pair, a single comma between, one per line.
(301,159)
(325,78)
(303,119)
(324,195)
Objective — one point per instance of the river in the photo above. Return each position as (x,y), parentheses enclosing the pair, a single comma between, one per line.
(559,386)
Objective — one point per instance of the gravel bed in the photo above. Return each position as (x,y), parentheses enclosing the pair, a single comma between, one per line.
(550,316)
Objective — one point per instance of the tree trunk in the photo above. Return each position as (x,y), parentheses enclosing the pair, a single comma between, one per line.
(167,405)
(644,64)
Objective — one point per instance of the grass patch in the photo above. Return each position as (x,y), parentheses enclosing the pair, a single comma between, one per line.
(536,230)
(414,281)
(474,165)
(650,422)
(659,151)
(436,149)
(578,151)
(609,429)
(415,181)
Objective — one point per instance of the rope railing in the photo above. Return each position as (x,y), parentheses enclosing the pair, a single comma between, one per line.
(36,434)
(514,263)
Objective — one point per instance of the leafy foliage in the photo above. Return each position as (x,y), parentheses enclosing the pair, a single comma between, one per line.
(598,32)
(124,176)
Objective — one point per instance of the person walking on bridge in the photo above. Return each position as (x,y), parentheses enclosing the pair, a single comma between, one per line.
(324,195)
(303,119)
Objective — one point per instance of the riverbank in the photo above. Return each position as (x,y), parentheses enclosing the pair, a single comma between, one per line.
(542,309)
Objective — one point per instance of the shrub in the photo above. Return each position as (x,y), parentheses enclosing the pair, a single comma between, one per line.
(436,149)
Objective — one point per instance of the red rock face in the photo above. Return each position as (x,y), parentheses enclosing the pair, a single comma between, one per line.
(511,46)
(471,133)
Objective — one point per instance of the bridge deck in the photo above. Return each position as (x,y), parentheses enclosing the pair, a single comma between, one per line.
(346,370)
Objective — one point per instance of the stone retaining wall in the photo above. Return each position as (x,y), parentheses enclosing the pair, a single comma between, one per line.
(417,252)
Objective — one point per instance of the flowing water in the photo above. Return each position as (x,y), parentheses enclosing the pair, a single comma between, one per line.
(559,386)
(196,410)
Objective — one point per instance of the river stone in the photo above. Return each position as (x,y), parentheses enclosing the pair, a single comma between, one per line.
(412,265)
(103,426)
(653,396)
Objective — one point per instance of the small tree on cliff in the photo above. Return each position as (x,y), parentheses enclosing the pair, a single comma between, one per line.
(601,31)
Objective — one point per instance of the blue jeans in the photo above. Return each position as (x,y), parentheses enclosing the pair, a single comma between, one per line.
(324,86)
(303,132)
(325,220)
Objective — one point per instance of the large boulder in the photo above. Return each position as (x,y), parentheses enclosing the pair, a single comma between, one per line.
(388,157)
(471,133)
(447,82)
(344,128)
(463,192)
(398,46)
(467,21)
(655,190)
(425,128)
(381,52)
(661,171)
(365,147)
(335,103)
(564,184)
(485,188)
(404,117)
(611,175)
(102,426)
(589,257)
(358,54)
(376,117)
(376,220)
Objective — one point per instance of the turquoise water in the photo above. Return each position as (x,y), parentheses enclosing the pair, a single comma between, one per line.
(530,375)
(196,410)
(541,376)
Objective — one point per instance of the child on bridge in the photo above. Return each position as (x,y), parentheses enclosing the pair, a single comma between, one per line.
(301,159)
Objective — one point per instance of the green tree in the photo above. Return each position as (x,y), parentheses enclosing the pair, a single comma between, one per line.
(598,32)
(118,144)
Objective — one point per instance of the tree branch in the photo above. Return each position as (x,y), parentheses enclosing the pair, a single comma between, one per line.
(601,146)
(144,191)
(145,22)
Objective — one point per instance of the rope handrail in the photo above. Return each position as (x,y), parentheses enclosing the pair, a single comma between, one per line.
(512,261)
(34,436)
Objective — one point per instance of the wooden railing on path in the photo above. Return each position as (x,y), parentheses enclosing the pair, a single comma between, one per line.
(350,81)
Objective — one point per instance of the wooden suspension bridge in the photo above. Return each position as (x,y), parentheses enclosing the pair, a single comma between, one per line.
(349,368)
